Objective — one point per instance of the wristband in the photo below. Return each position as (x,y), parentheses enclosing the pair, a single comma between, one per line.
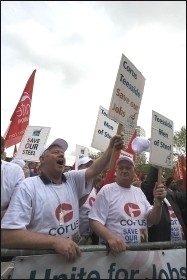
(158,203)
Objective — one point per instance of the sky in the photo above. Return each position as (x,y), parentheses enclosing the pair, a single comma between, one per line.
(76,48)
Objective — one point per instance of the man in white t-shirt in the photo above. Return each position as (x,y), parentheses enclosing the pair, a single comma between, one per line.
(11,177)
(121,212)
(44,211)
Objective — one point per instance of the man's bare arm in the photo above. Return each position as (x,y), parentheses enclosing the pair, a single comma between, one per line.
(116,142)
(25,239)
(116,243)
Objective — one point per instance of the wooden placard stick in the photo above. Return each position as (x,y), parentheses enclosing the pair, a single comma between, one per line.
(159,175)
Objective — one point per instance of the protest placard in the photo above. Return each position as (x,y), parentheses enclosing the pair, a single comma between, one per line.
(105,129)
(127,94)
(158,264)
(161,144)
(33,142)
(81,151)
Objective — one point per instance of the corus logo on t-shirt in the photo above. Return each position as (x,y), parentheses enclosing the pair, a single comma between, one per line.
(67,210)
(132,210)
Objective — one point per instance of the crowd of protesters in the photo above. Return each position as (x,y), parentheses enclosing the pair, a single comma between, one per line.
(48,205)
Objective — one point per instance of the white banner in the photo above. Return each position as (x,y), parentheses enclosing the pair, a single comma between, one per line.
(159,264)
(32,143)
(127,94)
(81,151)
(161,144)
(105,129)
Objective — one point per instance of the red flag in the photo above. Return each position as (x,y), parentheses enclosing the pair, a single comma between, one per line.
(179,171)
(175,172)
(20,118)
(110,173)
(129,149)
(182,168)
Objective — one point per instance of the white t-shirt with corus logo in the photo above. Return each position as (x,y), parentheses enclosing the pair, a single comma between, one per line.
(48,208)
(122,210)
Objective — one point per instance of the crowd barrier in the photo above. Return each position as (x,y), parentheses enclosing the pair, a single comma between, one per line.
(155,260)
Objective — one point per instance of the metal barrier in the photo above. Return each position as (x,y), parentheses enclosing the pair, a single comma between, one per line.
(155,260)
(93,248)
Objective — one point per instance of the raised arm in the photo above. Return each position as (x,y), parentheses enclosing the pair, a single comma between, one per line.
(148,186)
(101,163)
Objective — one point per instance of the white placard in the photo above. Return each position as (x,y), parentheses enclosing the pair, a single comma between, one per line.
(161,146)
(158,264)
(105,129)
(127,94)
(81,151)
(32,142)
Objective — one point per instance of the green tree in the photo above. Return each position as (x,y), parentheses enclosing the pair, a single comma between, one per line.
(179,142)
(142,169)
(93,155)
(141,159)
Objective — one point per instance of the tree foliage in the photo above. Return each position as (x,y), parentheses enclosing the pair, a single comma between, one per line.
(141,159)
(93,155)
(179,142)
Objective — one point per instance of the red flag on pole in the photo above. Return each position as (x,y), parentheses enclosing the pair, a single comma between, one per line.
(129,149)
(20,118)
(111,172)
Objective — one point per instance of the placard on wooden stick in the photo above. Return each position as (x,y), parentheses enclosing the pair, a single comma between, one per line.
(161,144)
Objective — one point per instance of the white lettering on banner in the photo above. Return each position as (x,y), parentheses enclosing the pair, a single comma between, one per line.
(16,134)
(23,109)
(159,264)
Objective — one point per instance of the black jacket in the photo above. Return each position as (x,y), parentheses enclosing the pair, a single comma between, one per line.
(162,231)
